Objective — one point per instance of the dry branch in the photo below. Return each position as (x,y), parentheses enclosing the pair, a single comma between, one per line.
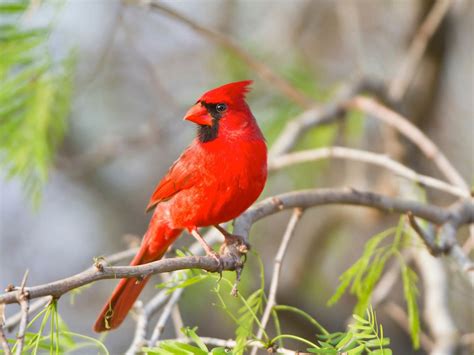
(159,300)
(324,114)
(289,232)
(267,74)
(453,217)
(58,288)
(366,157)
(3,338)
(411,60)
(22,296)
(413,133)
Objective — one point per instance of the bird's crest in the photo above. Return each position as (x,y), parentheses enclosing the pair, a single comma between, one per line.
(228,92)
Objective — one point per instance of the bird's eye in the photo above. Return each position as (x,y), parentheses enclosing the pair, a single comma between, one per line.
(221,107)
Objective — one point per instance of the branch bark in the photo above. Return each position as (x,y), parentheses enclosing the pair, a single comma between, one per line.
(3,338)
(413,133)
(453,218)
(366,157)
(289,232)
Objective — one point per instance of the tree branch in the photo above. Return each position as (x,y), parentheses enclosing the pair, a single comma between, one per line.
(224,41)
(156,303)
(453,217)
(411,61)
(324,114)
(367,157)
(399,316)
(22,296)
(58,288)
(413,133)
(290,229)
(160,325)
(3,338)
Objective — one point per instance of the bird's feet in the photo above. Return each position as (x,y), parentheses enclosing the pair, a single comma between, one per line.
(236,241)
(209,251)
(220,265)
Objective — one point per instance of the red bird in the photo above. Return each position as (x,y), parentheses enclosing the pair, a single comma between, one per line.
(216,178)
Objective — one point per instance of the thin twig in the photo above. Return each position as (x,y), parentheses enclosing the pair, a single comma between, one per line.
(317,116)
(348,21)
(160,325)
(140,330)
(412,59)
(177,319)
(13,321)
(24,301)
(413,133)
(462,214)
(156,303)
(367,157)
(109,149)
(58,288)
(399,316)
(428,239)
(289,232)
(232,343)
(437,304)
(3,338)
(226,42)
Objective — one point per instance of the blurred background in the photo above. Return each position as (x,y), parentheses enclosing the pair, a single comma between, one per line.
(137,71)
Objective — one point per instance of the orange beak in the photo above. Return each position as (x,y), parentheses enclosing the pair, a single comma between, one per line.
(199,115)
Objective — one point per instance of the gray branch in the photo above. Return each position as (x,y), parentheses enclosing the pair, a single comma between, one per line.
(452,218)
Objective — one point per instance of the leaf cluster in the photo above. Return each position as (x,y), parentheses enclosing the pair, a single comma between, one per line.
(35,94)
(361,278)
(53,336)
(171,347)
(365,336)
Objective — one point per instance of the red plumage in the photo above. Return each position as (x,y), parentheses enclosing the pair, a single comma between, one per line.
(216,178)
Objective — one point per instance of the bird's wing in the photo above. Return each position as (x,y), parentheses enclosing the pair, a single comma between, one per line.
(180,177)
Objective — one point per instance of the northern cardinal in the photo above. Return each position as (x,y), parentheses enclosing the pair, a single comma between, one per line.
(216,178)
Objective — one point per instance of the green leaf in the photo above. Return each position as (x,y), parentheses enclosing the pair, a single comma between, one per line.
(191,333)
(356,273)
(344,341)
(376,343)
(13,7)
(35,96)
(252,306)
(174,348)
(357,350)
(303,314)
(382,352)
(410,292)
(322,351)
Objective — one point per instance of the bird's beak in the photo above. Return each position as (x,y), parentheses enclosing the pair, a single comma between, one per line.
(199,115)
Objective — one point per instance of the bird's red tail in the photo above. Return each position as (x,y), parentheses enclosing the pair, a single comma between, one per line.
(154,245)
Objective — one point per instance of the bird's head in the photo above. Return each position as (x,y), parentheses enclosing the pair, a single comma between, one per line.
(221,108)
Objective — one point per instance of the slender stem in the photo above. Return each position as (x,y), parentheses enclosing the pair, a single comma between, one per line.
(367,157)
(413,133)
(294,337)
(303,314)
(289,232)
(3,338)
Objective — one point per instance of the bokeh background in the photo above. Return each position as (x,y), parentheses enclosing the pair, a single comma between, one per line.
(137,71)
